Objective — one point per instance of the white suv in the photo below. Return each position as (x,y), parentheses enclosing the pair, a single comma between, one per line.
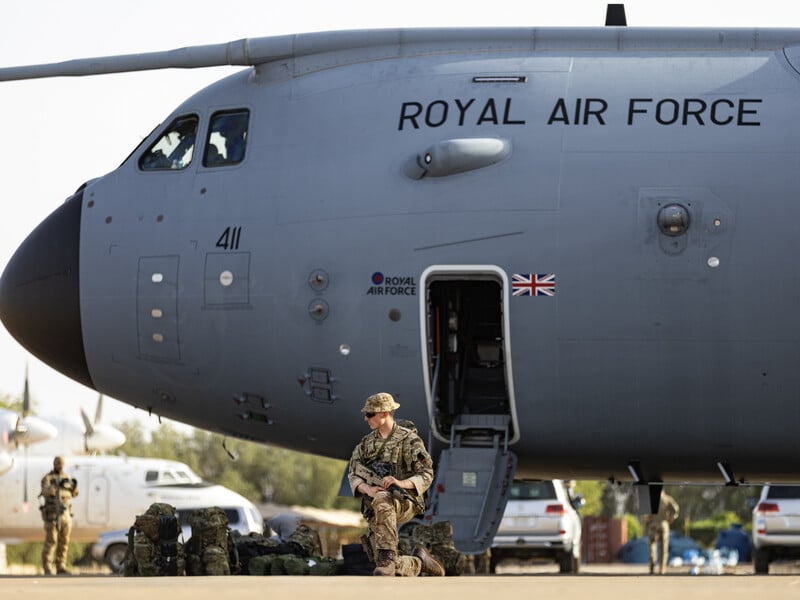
(541,520)
(776,525)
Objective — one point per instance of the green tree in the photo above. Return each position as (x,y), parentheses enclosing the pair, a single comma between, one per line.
(11,402)
(699,502)
(259,472)
(592,492)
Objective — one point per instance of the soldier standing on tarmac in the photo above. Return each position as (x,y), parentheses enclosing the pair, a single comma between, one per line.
(57,490)
(401,452)
(657,527)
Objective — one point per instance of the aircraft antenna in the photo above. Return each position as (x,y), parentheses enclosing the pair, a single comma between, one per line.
(615,16)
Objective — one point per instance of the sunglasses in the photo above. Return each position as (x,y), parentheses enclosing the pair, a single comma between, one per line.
(370,414)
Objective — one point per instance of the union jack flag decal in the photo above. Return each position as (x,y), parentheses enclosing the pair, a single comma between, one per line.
(533,284)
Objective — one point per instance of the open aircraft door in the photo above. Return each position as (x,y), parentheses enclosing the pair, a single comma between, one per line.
(469,388)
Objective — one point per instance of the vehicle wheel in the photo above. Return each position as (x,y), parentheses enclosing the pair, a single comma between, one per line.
(761,561)
(569,563)
(115,555)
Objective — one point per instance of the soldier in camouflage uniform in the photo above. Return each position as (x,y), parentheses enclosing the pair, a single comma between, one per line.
(58,489)
(657,527)
(411,470)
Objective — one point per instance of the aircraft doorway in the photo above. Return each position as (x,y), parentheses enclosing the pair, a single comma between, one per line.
(97,501)
(466,349)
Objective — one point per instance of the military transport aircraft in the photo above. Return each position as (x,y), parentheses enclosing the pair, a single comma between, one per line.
(568,253)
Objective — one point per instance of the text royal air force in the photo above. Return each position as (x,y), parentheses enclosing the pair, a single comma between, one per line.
(714,112)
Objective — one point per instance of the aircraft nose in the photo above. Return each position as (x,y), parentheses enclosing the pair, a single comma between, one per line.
(40,294)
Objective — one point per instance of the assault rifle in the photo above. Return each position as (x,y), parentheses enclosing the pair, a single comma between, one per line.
(375,475)
(52,507)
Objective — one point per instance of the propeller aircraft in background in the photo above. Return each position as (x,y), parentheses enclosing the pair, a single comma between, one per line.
(567,252)
(86,436)
(113,490)
(22,429)
(43,437)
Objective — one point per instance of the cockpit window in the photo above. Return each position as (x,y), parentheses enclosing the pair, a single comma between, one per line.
(174,149)
(227,138)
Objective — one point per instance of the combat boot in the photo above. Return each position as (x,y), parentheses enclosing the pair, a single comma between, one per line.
(430,565)
(385,562)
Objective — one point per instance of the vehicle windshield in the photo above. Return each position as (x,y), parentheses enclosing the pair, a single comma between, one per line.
(532,490)
(171,476)
(784,492)
(174,149)
(227,138)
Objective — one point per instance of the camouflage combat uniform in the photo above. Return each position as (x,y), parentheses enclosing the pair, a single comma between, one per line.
(657,526)
(405,452)
(57,491)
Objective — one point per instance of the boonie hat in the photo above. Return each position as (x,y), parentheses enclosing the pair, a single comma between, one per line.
(380,402)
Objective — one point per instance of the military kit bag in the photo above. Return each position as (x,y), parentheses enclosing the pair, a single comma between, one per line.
(437,538)
(154,548)
(211,550)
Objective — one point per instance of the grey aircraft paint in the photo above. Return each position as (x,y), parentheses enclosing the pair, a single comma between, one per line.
(583,239)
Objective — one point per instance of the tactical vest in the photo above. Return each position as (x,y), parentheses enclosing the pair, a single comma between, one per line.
(57,492)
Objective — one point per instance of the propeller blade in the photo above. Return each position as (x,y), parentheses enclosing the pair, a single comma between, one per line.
(88,428)
(98,412)
(25,482)
(26,397)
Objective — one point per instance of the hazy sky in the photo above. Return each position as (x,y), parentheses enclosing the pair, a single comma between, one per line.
(58,133)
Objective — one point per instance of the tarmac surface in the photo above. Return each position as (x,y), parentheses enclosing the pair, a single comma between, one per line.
(599,582)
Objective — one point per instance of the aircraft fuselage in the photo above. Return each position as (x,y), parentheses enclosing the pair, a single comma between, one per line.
(637,231)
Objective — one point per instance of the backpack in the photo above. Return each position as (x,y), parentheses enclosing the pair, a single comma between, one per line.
(251,546)
(306,540)
(437,538)
(211,550)
(153,545)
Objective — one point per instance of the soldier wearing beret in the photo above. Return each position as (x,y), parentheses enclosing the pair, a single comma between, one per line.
(400,451)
